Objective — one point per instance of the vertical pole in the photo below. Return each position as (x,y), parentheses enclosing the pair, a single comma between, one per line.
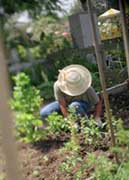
(125,31)
(6,122)
(101,73)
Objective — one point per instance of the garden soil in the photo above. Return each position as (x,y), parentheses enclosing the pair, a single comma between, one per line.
(41,161)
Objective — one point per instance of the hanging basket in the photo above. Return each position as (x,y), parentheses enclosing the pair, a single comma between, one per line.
(109,25)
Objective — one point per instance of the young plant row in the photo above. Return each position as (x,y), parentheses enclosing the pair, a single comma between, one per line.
(88,156)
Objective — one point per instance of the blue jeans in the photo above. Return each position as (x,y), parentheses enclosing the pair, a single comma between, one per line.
(81,107)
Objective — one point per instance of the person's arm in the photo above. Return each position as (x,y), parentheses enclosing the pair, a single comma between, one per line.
(59,96)
(63,107)
(98,112)
(95,101)
(98,109)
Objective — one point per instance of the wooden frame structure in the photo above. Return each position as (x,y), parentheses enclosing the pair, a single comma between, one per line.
(99,62)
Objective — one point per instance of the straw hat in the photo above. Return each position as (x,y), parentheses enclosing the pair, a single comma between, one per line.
(74,80)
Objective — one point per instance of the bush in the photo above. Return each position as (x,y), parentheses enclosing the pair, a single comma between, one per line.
(26,104)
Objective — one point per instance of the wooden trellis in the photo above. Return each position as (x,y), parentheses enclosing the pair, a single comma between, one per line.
(101,73)
(99,62)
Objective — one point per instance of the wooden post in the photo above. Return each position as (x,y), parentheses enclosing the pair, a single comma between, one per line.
(101,73)
(6,122)
(125,31)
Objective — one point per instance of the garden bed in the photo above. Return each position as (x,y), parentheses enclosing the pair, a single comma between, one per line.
(120,106)
(42,160)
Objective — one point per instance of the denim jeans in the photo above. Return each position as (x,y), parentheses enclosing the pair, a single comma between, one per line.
(81,108)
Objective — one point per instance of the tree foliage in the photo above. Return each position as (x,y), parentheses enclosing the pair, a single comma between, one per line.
(11,6)
(115,3)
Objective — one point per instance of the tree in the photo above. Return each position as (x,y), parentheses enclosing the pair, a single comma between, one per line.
(115,3)
(11,6)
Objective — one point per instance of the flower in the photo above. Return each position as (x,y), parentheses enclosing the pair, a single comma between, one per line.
(65,34)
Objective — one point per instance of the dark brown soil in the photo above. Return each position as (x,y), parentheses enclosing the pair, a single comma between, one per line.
(120,106)
(42,160)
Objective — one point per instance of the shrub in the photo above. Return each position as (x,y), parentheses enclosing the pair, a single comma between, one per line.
(26,103)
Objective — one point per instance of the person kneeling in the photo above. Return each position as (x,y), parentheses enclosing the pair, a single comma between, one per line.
(73,89)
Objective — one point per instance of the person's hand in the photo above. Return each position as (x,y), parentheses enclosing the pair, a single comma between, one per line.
(98,121)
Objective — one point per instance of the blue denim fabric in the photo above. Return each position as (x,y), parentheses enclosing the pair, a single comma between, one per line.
(49,108)
(81,108)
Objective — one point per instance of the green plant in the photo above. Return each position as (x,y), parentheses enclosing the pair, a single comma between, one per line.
(35,52)
(26,103)
(36,7)
(122,172)
(96,80)
(73,121)
(25,97)
(57,124)
(46,89)
(71,146)
(104,169)
(122,134)
(69,163)
(122,143)
(87,165)
(90,131)
(52,43)
(101,168)
(81,127)
(95,166)
(22,52)
(98,166)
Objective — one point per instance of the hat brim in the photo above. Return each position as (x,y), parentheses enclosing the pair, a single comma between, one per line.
(75,90)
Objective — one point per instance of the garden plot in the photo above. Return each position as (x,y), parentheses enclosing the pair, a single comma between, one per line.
(45,160)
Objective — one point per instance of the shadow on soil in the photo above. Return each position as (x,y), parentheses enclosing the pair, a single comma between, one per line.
(46,146)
